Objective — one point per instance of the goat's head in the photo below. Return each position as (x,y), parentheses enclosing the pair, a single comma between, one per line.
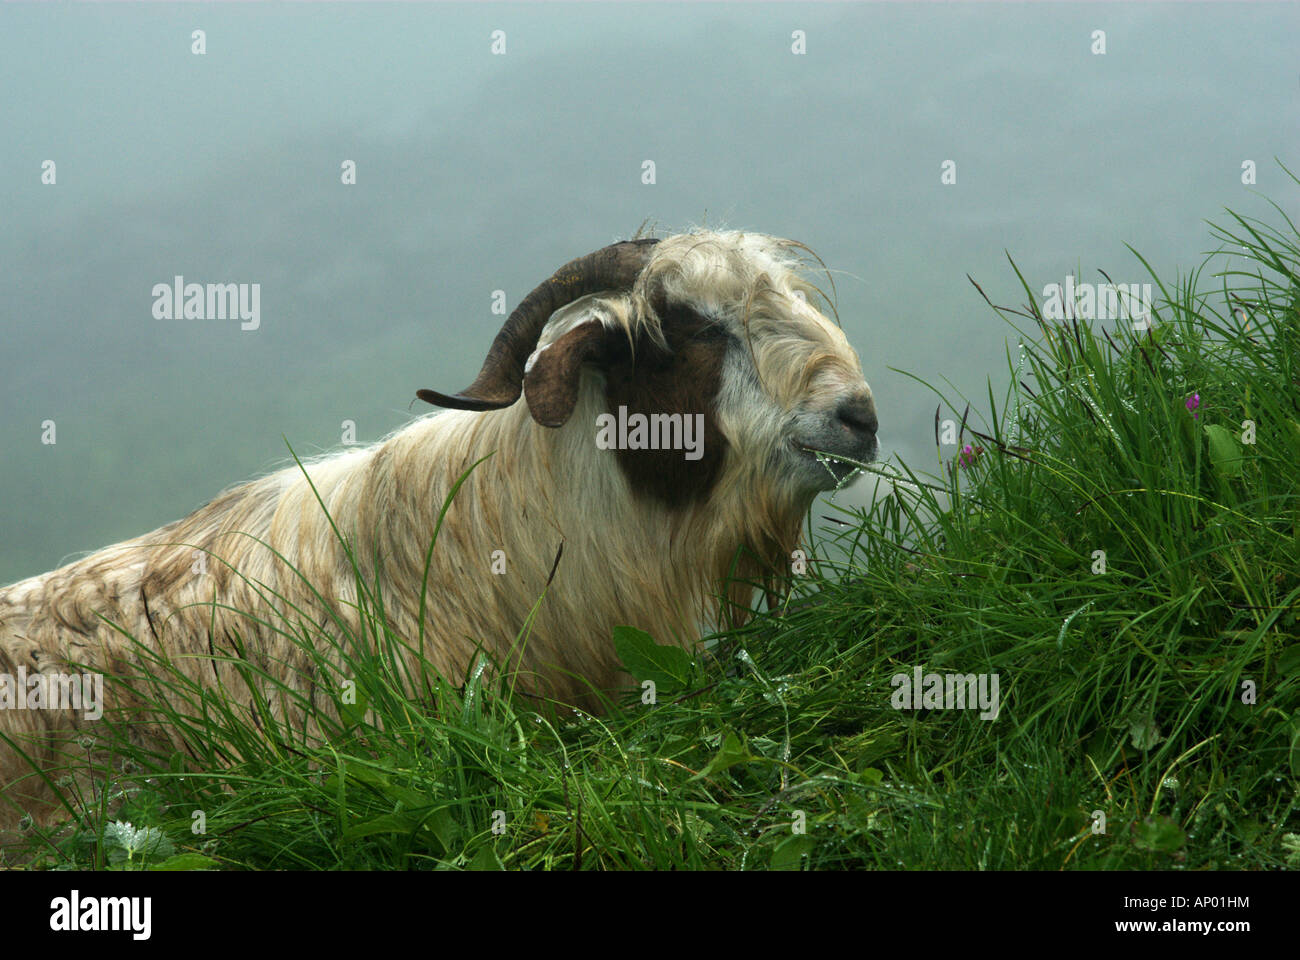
(718,324)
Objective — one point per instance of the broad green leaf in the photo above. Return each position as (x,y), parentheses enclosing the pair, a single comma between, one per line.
(1225,451)
(440,823)
(1158,833)
(485,859)
(444,827)
(136,844)
(734,750)
(788,854)
(669,667)
(385,823)
(380,783)
(354,713)
(1288,664)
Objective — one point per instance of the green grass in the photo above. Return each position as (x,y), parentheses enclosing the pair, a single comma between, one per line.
(1124,689)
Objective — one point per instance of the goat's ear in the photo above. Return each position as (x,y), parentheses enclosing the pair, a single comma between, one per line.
(551,383)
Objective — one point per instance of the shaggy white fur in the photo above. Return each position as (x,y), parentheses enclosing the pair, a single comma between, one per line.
(628,558)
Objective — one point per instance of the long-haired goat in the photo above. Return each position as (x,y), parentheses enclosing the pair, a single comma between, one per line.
(715,330)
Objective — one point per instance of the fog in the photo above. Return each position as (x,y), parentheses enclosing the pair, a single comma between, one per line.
(479,170)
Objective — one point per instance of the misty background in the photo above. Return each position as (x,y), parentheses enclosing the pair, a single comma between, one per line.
(478,172)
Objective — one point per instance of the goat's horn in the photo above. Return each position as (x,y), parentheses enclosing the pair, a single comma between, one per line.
(501,380)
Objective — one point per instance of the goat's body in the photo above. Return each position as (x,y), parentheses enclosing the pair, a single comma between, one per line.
(625,560)
(712,327)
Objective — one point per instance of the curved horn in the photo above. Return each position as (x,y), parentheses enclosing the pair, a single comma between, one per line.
(501,380)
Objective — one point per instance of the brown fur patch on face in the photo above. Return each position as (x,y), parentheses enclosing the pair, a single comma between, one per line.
(682,380)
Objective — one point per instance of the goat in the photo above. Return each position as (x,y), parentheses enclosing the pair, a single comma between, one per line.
(717,329)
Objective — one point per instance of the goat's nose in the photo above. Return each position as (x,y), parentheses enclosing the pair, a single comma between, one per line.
(858,415)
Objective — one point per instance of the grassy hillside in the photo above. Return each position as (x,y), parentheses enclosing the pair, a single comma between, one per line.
(1117,539)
